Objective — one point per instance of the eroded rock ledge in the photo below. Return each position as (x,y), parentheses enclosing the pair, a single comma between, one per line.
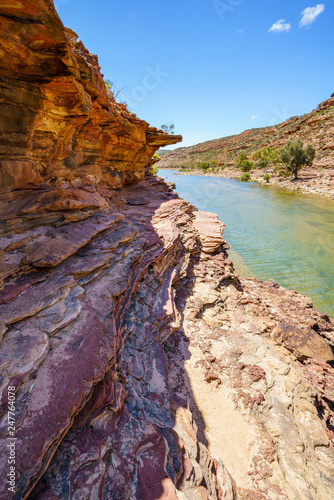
(83,342)
(143,366)
(61,130)
(98,340)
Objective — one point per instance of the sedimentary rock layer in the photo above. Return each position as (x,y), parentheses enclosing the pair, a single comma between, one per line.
(94,345)
(124,327)
(83,344)
(60,128)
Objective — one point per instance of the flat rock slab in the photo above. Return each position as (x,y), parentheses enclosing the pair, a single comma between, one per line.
(210,231)
(64,241)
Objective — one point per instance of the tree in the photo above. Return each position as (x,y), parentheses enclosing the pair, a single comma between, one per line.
(295,156)
(168,128)
(246,165)
(267,156)
(240,158)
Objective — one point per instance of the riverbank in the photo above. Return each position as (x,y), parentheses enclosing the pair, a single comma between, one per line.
(310,181)
(246,358)
(267,227)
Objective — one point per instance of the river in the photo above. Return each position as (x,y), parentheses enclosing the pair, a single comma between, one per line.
(273,233)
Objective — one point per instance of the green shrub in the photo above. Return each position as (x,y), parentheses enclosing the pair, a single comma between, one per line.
(203,165)
(260,164)
(246,165)
(266,156)
(245,176)
(154,170)
(283,173)
(240,158)
(266,177)
(156,157)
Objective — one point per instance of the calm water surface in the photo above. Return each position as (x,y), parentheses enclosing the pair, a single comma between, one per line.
(273,233)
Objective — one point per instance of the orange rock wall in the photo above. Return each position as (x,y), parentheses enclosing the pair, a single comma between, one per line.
(59,126)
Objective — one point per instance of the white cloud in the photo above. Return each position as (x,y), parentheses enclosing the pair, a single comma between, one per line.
(310,14)
(241,32)
(254,117)
(280,26)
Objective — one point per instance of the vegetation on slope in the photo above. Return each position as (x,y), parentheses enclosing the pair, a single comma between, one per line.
(261,145)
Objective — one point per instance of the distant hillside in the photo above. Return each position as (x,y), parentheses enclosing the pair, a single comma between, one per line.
(163,152)
(316,128)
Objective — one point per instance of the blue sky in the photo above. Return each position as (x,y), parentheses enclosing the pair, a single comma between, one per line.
(213,68)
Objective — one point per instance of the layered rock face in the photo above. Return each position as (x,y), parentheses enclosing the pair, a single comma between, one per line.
(83,345)
(86,284)
(104,402)
(59,127)
(135,363)
(314,128)
(255,362)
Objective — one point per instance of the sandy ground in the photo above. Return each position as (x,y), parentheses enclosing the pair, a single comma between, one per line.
(228,435)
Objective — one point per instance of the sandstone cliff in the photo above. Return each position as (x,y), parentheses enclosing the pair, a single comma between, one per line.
(143,367)
(59,128)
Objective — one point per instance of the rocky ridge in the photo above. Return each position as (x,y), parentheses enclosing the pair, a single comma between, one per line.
(315,128)
(124,327)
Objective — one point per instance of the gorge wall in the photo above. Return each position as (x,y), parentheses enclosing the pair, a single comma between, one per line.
(60,128)
(124,328)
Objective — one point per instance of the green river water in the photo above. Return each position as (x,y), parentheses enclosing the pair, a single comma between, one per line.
(273,233)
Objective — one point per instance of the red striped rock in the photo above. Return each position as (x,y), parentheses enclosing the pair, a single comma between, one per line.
(99,285)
